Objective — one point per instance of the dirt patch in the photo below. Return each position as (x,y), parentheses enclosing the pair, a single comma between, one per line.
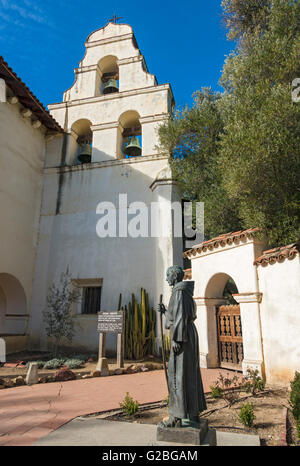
(268,408)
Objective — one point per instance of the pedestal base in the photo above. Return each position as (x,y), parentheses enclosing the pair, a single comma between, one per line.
(102,366)
(183,435)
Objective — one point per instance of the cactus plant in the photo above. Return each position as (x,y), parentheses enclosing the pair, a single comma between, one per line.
(140,322)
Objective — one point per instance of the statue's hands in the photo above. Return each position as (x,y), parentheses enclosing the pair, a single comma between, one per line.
(160,308)
(177,347)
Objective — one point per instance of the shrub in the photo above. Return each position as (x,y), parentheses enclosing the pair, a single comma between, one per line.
(253,383)
(295,395)
(298,427)
(129,406)
(54,364)
(73,363)
(227,387)
(216,391)
(58,316)
(246,414)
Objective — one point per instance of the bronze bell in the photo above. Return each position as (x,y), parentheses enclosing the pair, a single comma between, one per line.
(85,155)
(133,149)
(110,86)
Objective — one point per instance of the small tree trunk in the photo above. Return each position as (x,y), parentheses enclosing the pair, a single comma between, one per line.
(56,346)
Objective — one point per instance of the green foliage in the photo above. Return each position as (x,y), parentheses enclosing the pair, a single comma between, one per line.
(295,395)
(226,387)
(239,152)
(216,391)
(39,363)
(229,290)
(192,138)
(167,346)
(129,406)
(73,363)
(246,414)
(58,316)
(54,363)
(298,427)
(243,17)
(253,383)
(140,322)
(259,154)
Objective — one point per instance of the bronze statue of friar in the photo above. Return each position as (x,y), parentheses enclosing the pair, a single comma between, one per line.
(187,398)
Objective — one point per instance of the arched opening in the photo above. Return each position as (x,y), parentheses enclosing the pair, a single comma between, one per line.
(224,323)
(13,309)
(109,80)
(229,290)
(130,135)
(84,138)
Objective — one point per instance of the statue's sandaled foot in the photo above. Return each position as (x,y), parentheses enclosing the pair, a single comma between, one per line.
(171,422)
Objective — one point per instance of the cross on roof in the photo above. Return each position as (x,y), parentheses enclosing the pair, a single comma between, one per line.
(114,19)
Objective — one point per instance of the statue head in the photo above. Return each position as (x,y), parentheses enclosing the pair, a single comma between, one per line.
(175,274)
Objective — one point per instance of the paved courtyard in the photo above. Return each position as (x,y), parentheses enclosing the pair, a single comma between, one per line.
(28,413)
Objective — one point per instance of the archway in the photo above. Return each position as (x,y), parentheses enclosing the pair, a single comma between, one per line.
(84,138)
(224,324)
(109,80)
(129,134)
(13,308)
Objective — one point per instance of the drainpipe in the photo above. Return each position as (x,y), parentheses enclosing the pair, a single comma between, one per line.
(256,281)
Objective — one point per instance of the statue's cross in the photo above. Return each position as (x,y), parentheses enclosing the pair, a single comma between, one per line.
(114,19)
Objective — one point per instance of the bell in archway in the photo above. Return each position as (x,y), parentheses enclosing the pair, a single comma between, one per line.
(133,149)
(110,86)
(85,155)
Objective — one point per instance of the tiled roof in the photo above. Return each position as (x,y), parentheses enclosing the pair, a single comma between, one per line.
(222,240)
(278,254)
(26,97)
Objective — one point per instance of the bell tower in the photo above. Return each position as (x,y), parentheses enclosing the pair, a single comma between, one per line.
(106,169)
(115,105)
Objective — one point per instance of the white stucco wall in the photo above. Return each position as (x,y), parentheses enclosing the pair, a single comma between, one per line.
(22,152)
(269,298)
(69,239)
(210,271)
(280,316)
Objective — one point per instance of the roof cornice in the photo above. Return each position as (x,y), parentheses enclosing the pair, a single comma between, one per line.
(27,98)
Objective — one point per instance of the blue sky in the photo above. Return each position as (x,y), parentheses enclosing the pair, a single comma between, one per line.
(184,43)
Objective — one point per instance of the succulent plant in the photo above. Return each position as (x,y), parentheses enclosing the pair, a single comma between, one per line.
(140,321)
(74,363)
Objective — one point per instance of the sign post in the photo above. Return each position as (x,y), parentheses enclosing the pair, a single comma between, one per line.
(111,322)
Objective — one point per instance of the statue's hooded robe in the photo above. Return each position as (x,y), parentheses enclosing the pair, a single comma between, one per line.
(184,377)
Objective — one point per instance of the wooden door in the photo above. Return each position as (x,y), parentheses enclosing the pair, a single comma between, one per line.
(230,337)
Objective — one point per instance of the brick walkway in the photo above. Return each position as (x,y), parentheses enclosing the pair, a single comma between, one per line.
(30,412)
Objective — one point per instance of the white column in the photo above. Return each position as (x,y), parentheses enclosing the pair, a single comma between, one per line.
(251,328)
(150,139)
(207,330)
(105,142)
